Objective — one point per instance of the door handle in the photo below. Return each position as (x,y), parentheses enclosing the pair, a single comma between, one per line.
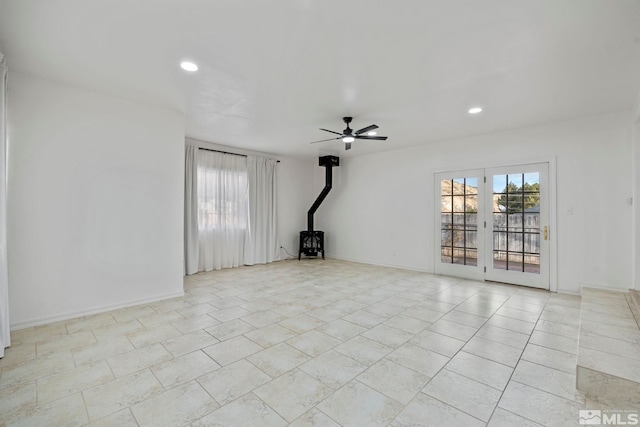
(546,233)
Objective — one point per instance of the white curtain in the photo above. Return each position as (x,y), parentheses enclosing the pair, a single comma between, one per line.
(222,209)
(230,210)
(191,210)
(5,340)
(261,239)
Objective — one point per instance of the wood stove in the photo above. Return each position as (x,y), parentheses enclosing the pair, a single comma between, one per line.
(312,241)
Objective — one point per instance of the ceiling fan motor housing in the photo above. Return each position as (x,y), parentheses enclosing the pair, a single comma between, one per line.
(348,130)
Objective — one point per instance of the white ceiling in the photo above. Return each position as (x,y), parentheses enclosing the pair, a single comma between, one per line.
(273,72)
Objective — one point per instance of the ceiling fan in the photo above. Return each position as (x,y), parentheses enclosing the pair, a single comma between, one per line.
(348,135)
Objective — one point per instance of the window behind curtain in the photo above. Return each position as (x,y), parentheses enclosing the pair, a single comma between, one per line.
(223,194)
(222,198)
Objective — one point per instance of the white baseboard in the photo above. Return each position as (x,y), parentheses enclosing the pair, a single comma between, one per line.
(94,310)
(567,292)
(403,267)
(601,287)
(425,270)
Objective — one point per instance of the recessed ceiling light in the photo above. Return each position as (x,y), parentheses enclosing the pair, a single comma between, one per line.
(348,139)
(372,133)
(188,66)
(475,110)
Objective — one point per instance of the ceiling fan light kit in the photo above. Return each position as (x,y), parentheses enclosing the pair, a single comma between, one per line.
(188,66)
(348,135)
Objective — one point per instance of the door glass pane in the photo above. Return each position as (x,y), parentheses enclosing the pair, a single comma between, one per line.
(445,218)
(531,202)
(512,203)
(459,221)
(516,222)
(514,242)
(532,264)
(531,179)
(445,187)
(458,185)
(445,239)
(458,239)
(445,205)
(499,183)
(532,221)
(471,204)
(532,243)
(514,262)
(499,203)
(472,257)
(515,180)
(471,239)
(458,203)
(458,256)
(499,240)
(445,255)
(499,260)
(472,221)
(471,186)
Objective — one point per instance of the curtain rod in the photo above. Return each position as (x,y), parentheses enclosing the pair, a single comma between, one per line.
(226,152)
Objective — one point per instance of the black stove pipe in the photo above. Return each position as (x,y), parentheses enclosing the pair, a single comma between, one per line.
(328,162)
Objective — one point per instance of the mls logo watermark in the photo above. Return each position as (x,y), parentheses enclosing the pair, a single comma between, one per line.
(590,417)
(596,417)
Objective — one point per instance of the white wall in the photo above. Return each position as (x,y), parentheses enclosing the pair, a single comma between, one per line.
(382,204)
(295,196)
(295,193)
(95,201)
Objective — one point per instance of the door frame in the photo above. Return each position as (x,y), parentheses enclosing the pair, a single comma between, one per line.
(553,211)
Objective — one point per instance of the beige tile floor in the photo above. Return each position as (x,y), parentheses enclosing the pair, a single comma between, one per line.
(305,343)
(609,348)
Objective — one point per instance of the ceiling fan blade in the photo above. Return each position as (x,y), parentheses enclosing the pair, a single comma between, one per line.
(374,138)
(367,129)
(347,146)
(327,130)
(323,140)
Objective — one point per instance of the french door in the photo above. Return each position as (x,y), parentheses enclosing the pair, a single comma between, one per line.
(493,224)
